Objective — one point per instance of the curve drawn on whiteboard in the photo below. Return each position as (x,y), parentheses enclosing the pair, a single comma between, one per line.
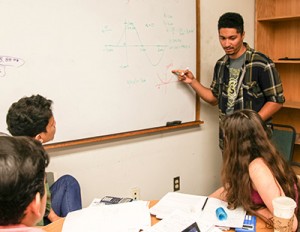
(124,44)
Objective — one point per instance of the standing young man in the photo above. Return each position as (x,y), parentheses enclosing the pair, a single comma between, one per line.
(243,78)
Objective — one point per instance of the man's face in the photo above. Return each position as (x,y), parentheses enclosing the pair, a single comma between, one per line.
(232,42)
(50,131)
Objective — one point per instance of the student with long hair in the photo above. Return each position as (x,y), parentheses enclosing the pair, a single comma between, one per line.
(254,172)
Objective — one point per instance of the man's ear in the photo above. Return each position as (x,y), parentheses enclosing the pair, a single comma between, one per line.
(39,138)
(243,35)
(33,213)
(35,205)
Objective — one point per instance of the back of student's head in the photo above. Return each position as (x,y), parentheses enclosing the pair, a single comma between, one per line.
(246,137)
(22,172)
(245,131)
(29,116)
(231,20)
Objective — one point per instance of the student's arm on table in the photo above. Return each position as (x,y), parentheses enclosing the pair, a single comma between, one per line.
(267,186)
(219,194)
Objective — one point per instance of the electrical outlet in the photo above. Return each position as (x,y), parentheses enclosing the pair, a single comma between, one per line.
(135,193)
(176,183)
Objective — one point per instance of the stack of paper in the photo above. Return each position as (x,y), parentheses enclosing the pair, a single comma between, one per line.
(172,201)
(125,217)
(178,221)
(192,206)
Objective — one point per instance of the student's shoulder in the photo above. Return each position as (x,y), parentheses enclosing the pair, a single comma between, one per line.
(256,165)
(258,57)
(259,170)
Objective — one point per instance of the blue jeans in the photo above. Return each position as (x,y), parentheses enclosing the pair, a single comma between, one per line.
(65,195)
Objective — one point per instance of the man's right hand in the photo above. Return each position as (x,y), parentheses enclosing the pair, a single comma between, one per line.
(185,76)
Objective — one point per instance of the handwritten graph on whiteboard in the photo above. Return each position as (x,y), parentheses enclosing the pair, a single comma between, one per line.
(105,64)
(153,43)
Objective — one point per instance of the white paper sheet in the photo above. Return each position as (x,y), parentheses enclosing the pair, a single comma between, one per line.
(193,204)
(179,220)
(171,201)
(125,217)
(235,218)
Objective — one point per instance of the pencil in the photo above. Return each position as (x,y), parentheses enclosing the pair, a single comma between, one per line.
(204,204)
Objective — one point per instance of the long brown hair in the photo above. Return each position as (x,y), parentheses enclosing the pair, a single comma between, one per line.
(246,137)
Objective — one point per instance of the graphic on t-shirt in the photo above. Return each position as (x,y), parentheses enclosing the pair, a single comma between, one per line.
(232,84)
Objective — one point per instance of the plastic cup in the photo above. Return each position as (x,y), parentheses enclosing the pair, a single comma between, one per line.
(284,208)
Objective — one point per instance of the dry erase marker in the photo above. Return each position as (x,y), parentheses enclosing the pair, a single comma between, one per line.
(179,73)
(173,123)
(182,73)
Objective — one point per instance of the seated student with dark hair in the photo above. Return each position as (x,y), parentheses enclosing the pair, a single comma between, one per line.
(22,183)
(33,116)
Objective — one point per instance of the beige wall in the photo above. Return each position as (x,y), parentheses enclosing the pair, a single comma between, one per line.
(151,162)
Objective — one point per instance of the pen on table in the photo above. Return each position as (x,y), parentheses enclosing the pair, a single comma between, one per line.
(204,204)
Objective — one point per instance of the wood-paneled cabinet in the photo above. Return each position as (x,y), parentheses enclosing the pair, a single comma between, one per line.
(278,36)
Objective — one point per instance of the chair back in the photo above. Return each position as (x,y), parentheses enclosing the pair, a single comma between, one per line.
(50,178)
(284,137)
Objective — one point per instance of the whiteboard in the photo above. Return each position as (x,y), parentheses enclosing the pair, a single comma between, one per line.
(105,64)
